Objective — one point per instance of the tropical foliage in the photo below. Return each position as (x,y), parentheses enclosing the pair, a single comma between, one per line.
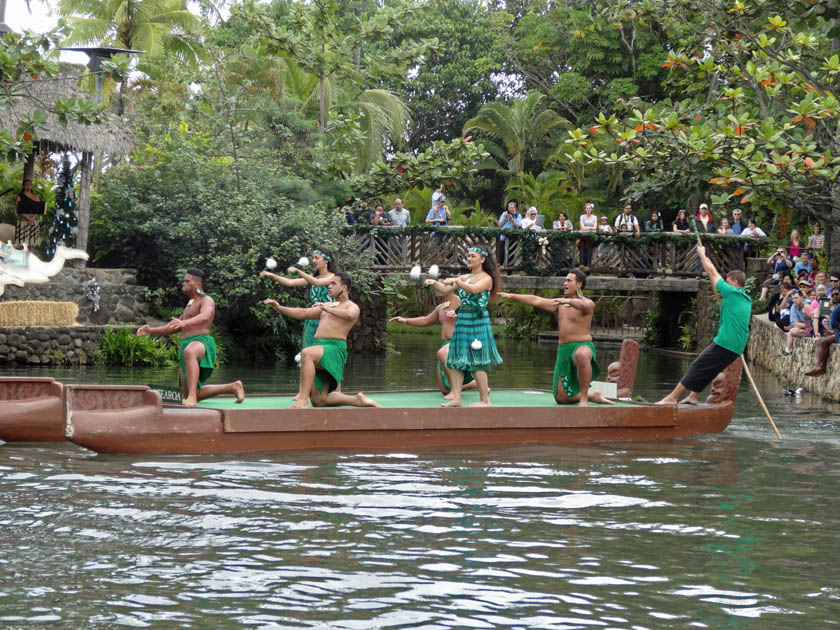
(259,120)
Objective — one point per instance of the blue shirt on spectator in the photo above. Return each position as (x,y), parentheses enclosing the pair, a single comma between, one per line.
(781,266)
(796,315)
(800,266)
(509,224)
(737,226)
(834,323)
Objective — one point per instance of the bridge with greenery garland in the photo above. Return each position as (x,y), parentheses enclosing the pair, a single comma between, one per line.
(547,256)
(632,279)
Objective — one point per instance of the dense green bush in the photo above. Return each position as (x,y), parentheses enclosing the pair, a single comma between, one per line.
(176,206)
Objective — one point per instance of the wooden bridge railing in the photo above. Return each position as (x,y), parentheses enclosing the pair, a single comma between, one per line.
(548,253)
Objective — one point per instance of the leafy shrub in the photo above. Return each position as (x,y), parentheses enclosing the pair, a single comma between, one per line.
(123,347)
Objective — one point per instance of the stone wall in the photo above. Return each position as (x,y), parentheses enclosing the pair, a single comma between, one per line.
(766,342)
(77,345)
(121,300)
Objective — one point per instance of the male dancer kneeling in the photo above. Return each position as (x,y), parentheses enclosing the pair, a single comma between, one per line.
(322,364)
(445,315)
(575,366)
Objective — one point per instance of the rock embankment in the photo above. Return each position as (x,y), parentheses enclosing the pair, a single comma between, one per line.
(766,342)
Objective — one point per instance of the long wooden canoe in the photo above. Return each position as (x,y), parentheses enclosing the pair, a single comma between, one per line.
(134,420)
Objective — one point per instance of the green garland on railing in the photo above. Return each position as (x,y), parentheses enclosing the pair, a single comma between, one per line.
(552,236)
(558,242)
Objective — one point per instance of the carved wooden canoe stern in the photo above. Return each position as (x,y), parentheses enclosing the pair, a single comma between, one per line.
(32,410)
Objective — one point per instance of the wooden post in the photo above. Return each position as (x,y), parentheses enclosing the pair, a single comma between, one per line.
(84,205)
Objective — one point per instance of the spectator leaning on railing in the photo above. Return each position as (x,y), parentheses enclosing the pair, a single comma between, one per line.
(704,220)
(737,225)
(627,223)
(654,224)
(400,217)
(510,219)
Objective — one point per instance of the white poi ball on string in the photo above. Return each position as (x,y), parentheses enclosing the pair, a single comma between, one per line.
(303,262)
(270,263)
(415,272)
(297,358)
(434,271)
(476,344)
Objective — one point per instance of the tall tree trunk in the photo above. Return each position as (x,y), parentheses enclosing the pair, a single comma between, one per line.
(361,9)
(322,104)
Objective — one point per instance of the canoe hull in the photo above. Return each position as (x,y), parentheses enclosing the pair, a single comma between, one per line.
(133,420)
(151,428)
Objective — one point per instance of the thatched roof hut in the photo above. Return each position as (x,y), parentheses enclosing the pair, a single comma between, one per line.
(111,137)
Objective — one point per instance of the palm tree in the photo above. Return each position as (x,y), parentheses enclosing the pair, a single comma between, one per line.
(382,116)
(154,26)
(517,128)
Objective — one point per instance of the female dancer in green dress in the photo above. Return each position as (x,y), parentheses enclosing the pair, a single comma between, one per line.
(326,266)
(472,347)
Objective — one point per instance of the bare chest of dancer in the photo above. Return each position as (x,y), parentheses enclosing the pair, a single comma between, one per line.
(572,325)
(331,326)
(197,305)
(447,323)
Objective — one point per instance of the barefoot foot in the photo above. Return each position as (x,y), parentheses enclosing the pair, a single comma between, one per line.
(449,396)
(190,401)
(666,401)
(452,403)
(481,403)
(239,391)
(598,397)
(689,400)
(365,401)
(299,404)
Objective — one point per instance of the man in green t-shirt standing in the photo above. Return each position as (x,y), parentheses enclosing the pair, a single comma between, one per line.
(735,312)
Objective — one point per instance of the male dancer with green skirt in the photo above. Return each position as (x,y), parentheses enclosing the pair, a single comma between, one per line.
(197,353)
(445,315)
(576,365)
(322,364)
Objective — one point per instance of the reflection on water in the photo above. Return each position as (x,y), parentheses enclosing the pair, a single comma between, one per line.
(729,531)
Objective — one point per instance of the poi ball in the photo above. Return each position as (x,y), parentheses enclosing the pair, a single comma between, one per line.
(270,263)
(303,262)
(415,272)
(476,344)
(434,271)
(297,358)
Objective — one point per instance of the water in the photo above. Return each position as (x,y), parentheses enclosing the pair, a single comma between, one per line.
(735,530)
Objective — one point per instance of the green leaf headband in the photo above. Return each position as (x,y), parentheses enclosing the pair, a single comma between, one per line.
(478,250)
(321,254)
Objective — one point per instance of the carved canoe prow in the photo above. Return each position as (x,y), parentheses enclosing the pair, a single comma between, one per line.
(623,371)
(725,386)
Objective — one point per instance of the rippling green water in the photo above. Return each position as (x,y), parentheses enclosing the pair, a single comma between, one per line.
(734,530)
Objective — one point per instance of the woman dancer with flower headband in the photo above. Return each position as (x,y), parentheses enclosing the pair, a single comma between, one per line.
(326,266)
(472,347)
